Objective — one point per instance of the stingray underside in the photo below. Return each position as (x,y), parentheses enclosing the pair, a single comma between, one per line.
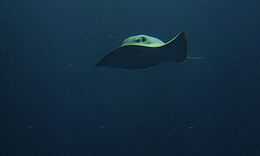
(131,57)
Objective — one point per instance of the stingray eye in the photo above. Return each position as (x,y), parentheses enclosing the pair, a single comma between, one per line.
(143,39)
(138,40)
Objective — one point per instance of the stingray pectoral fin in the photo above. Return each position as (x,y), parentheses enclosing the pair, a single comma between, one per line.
(176,49)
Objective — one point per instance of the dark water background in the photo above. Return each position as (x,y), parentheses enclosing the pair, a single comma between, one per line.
(54,101)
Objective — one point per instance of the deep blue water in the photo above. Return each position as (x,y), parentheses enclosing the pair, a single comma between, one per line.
(54,101)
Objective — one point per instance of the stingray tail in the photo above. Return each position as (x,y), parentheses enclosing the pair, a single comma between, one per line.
(192,58)
(195,58)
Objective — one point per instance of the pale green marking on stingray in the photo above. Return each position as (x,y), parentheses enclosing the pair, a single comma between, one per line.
(143,40)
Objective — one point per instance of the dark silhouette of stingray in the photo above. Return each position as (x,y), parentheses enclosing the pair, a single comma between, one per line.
(142,51)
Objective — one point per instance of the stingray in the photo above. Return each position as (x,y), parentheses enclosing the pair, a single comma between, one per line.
(143,51)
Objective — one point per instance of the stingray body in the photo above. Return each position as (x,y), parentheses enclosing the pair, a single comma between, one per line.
(143,51)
